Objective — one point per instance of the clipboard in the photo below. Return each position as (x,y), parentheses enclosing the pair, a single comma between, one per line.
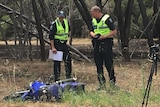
(55,56)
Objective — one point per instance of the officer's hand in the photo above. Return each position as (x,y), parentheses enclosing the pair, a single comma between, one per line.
(101,38)
(94,36)
(97,36)
(54,50)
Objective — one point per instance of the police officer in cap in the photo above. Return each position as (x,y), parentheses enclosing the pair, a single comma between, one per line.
(102,38)
(59,32)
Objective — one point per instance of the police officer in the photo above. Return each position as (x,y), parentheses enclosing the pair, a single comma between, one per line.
(59,31)
(102,39)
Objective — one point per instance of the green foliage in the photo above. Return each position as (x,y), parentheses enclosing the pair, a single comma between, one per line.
(5,28)
(148,3)
(55,5)
(137,21)
(6,18)
(150,12)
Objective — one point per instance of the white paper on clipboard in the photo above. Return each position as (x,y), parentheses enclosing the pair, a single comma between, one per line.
(55,56)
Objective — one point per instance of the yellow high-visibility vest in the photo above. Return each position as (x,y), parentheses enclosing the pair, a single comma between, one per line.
(62,34)
(101,27)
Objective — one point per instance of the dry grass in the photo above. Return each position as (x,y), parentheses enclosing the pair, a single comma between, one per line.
(131,76)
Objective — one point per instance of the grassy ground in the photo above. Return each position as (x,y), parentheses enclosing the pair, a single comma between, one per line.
(131,78)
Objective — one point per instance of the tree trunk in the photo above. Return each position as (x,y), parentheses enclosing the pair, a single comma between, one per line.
(145,23)
(118,12)
(156,26)
(39,28)
(156,4)
(71,21)
(126,31)
(99,3)
(124,26)
(28,27)
(45,13)
(21,47)
(13,17)
(3,35)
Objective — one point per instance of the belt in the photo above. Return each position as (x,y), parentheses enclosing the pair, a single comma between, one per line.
(61,41)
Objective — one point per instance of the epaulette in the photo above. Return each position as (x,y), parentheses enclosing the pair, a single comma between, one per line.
(53,22)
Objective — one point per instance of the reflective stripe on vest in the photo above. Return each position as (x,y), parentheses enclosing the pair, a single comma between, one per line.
(62,34)
(101,27)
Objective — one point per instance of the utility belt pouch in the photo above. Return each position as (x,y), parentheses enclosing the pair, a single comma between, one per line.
(93,43)
(107,42)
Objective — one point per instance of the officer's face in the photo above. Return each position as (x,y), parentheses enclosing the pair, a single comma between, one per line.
(61,19)
(94,13)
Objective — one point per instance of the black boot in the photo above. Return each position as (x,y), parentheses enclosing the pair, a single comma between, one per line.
(102,82)
(113,85)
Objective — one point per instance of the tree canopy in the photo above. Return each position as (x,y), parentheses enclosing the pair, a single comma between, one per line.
(19,20)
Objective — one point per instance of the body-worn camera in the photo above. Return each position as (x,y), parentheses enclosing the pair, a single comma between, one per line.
(155,48)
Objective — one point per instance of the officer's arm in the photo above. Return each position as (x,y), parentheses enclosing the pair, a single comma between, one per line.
(92,34)
(52,32)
